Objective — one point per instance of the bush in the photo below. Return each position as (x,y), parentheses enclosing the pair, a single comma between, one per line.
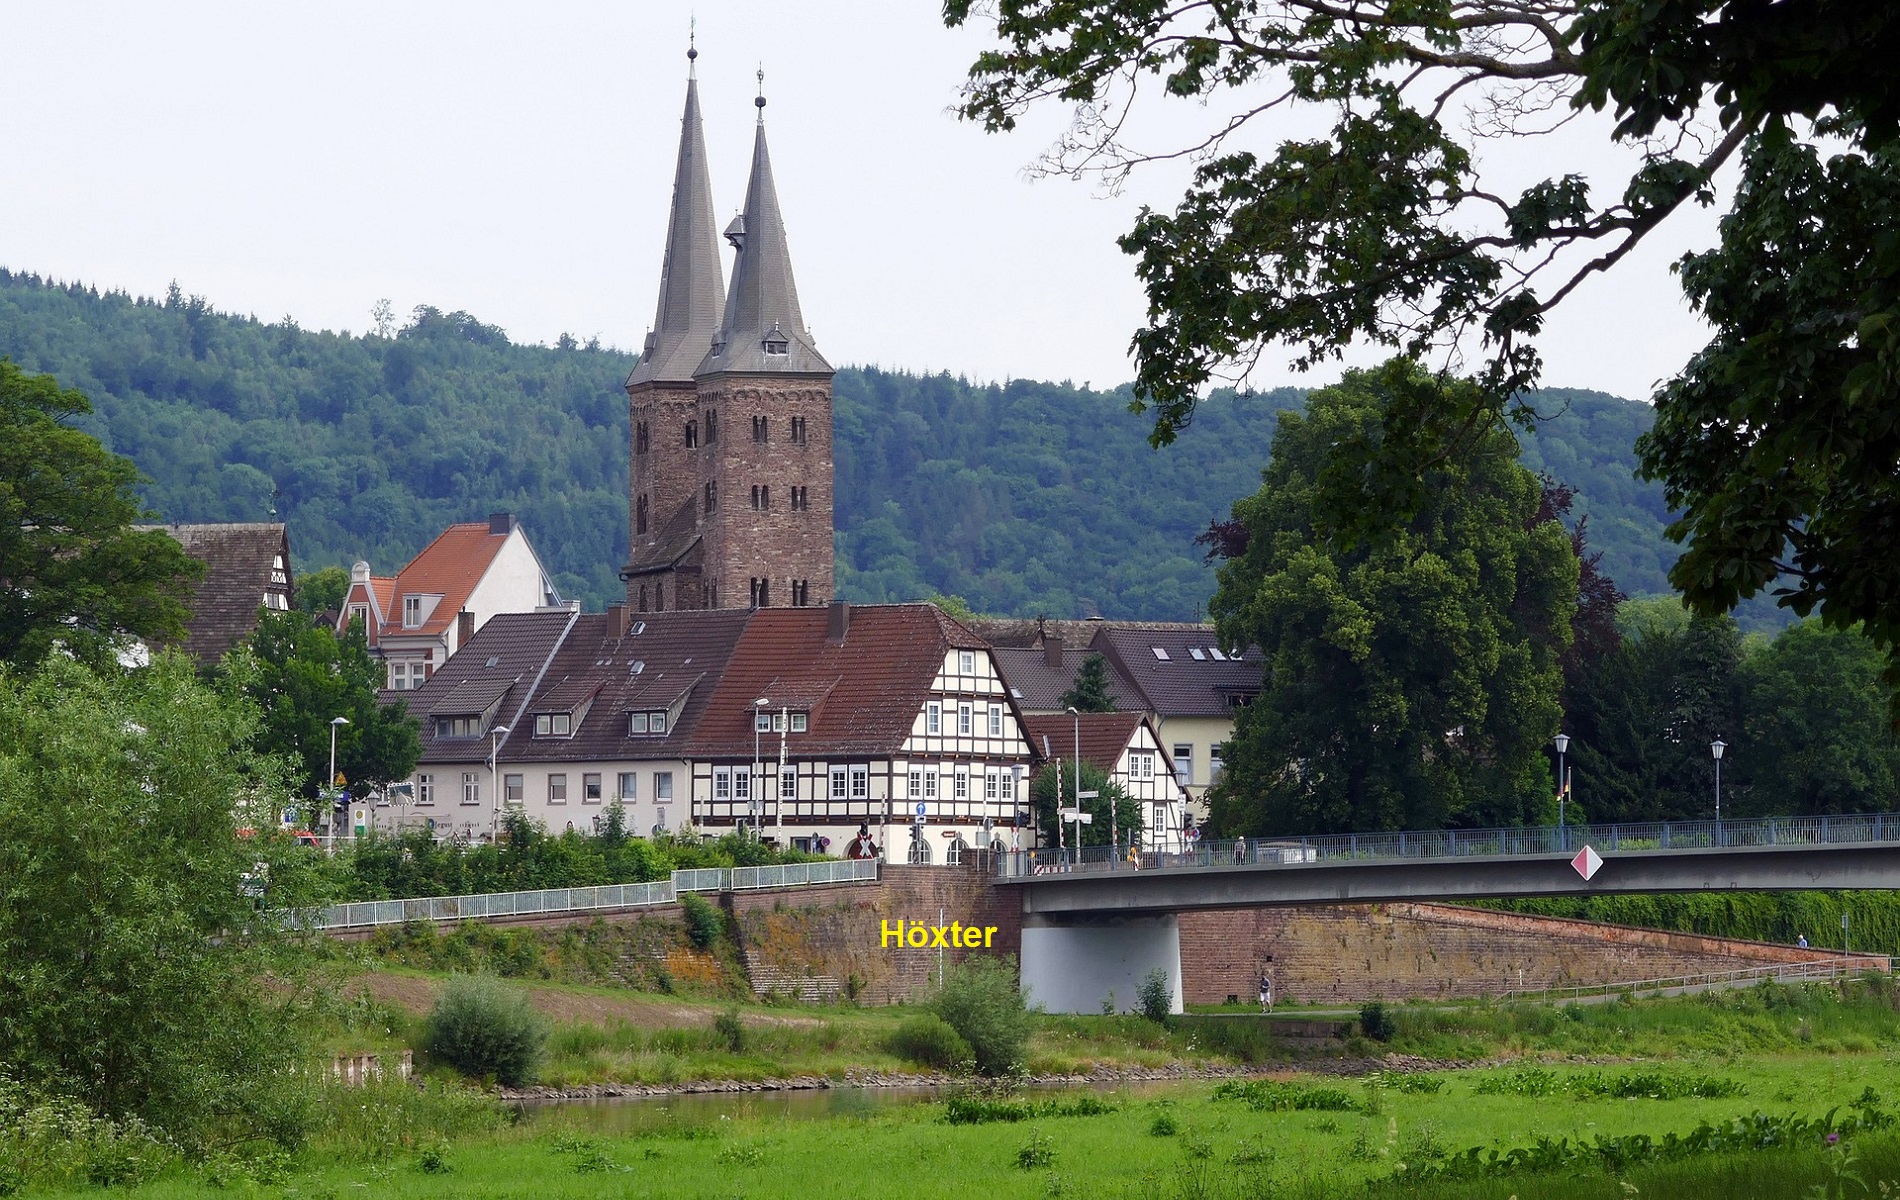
(926,1039)
(1376,1023)
(483,1029)
(1156,997)
(982,1002)
(730,1031)
(704,923)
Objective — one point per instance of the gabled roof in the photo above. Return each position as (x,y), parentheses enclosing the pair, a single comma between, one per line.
(763,302)
(451,567)
(1181,670)
(692,283)
(240,568)
(1104,735)
(674,541)
(1039,687)
(661,658)
(497,668)
(870,685)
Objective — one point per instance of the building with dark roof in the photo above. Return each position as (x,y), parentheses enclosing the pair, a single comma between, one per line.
(809,725)
(1125,747)
(247,570)
(730,494)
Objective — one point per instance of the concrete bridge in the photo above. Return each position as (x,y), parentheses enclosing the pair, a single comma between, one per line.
(1098,923)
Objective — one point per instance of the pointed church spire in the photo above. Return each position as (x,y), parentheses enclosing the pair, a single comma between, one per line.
(763,330)
(692,285)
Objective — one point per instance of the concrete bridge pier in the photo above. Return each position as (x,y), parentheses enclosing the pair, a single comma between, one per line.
(1072,962)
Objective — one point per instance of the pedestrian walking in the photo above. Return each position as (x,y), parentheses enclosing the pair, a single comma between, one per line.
(1240,851)
(1266,993)
(1802,941)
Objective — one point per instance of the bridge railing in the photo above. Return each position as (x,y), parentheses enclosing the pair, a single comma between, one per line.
(1462,843)
(365,914)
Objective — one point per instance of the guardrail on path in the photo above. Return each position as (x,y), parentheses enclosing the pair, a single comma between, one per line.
(1465,843)
(365,914)
(1808,972)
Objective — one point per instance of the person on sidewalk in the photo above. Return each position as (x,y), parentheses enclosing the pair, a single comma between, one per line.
(1266,993)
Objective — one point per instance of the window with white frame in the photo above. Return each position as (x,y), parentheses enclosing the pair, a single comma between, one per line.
(741,783)
(800,722)
(512,789)
(763,722)
(629,785)
(788,783)
(590,788)
(1140,765)
(360,612)
(411,612)
(965,725)
(557,788)
(1184,762)
(471,788)
(933,717)
(554,724)
(966,662)
(838,783)
(722,783)
(1214,764)
(1008,780)
(991,785)
(962,792)
(425,789)
(860,783)
(996,720)
(930,784)
(662,786)
(916,789)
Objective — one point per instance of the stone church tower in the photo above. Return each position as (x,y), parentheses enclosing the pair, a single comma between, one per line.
(731,411)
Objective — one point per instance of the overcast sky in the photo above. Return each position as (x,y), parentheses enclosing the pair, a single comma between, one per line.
(515,161)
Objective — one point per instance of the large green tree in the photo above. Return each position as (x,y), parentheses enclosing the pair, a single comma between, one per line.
(1338,196)
(1110,808)
(1411,677)
(73,572)
(133,953)
(302,677)
(1814,730)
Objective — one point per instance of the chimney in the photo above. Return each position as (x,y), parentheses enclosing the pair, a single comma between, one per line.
(464,627)
(838,622)
(616,620)
(500,523)
(1052,650)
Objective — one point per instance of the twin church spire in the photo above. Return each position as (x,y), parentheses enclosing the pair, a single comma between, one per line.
(701,328)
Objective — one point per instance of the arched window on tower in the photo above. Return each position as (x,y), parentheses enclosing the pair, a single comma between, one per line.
(641,438)
(643,597)
(640,514)
(659,597)
(712,494)
(761,429)
(692,434)
(712,426)
(798,430)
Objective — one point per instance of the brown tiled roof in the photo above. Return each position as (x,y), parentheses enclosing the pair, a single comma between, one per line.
(238,560)
(502,661)
(1040,687)
(1022,632)
(1181,685)
(676,653)
(448,567)
(871,684)
(673,542)
(1104,735)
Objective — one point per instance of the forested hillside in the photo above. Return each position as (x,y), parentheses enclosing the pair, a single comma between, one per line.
(1022,497)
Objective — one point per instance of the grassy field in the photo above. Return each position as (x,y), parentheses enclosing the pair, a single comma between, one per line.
(1195,1140)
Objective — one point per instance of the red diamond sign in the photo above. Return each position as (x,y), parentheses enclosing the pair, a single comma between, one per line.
(1587,862)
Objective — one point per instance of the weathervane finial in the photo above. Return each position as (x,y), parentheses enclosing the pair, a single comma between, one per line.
(760,100)
(692,47)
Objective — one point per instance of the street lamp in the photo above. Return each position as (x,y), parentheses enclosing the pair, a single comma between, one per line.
(494,776)
(1716,747)
(1563,783)
(330,782)
(752,794)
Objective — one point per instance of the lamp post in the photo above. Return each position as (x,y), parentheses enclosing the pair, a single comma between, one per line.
(1716,747)
(752,795)
(1563,785)
(329,781)
(1077,718)
(494,775)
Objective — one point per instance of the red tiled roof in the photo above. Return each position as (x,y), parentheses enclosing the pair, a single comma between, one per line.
(864,691)
(448,567)
(1104,735)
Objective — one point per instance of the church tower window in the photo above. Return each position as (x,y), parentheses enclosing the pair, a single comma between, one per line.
(642,440)
(692,434)
(798,430)
(712,494)
(640,514)
(712,426)
(761,429)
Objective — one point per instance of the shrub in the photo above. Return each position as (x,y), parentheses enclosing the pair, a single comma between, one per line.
(1156,997)
(1038,1151)
(1376,1023)
(704,923)
(483,1029)
(928,1040)
(729,1031)
(982,1002)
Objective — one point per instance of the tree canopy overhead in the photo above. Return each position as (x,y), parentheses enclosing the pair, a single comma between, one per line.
(1777,444)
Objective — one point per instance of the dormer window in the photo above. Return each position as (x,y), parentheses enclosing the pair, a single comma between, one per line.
(468,726)
(554,724)
(412,612)
(774,722)
(776,342)
(646,724)
(1194,652)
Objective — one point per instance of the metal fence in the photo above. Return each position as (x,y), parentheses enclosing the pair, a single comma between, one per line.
(366,914)
(1467,843)
(1807,972)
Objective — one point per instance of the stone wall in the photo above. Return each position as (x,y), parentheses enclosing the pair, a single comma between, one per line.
(1352,953)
